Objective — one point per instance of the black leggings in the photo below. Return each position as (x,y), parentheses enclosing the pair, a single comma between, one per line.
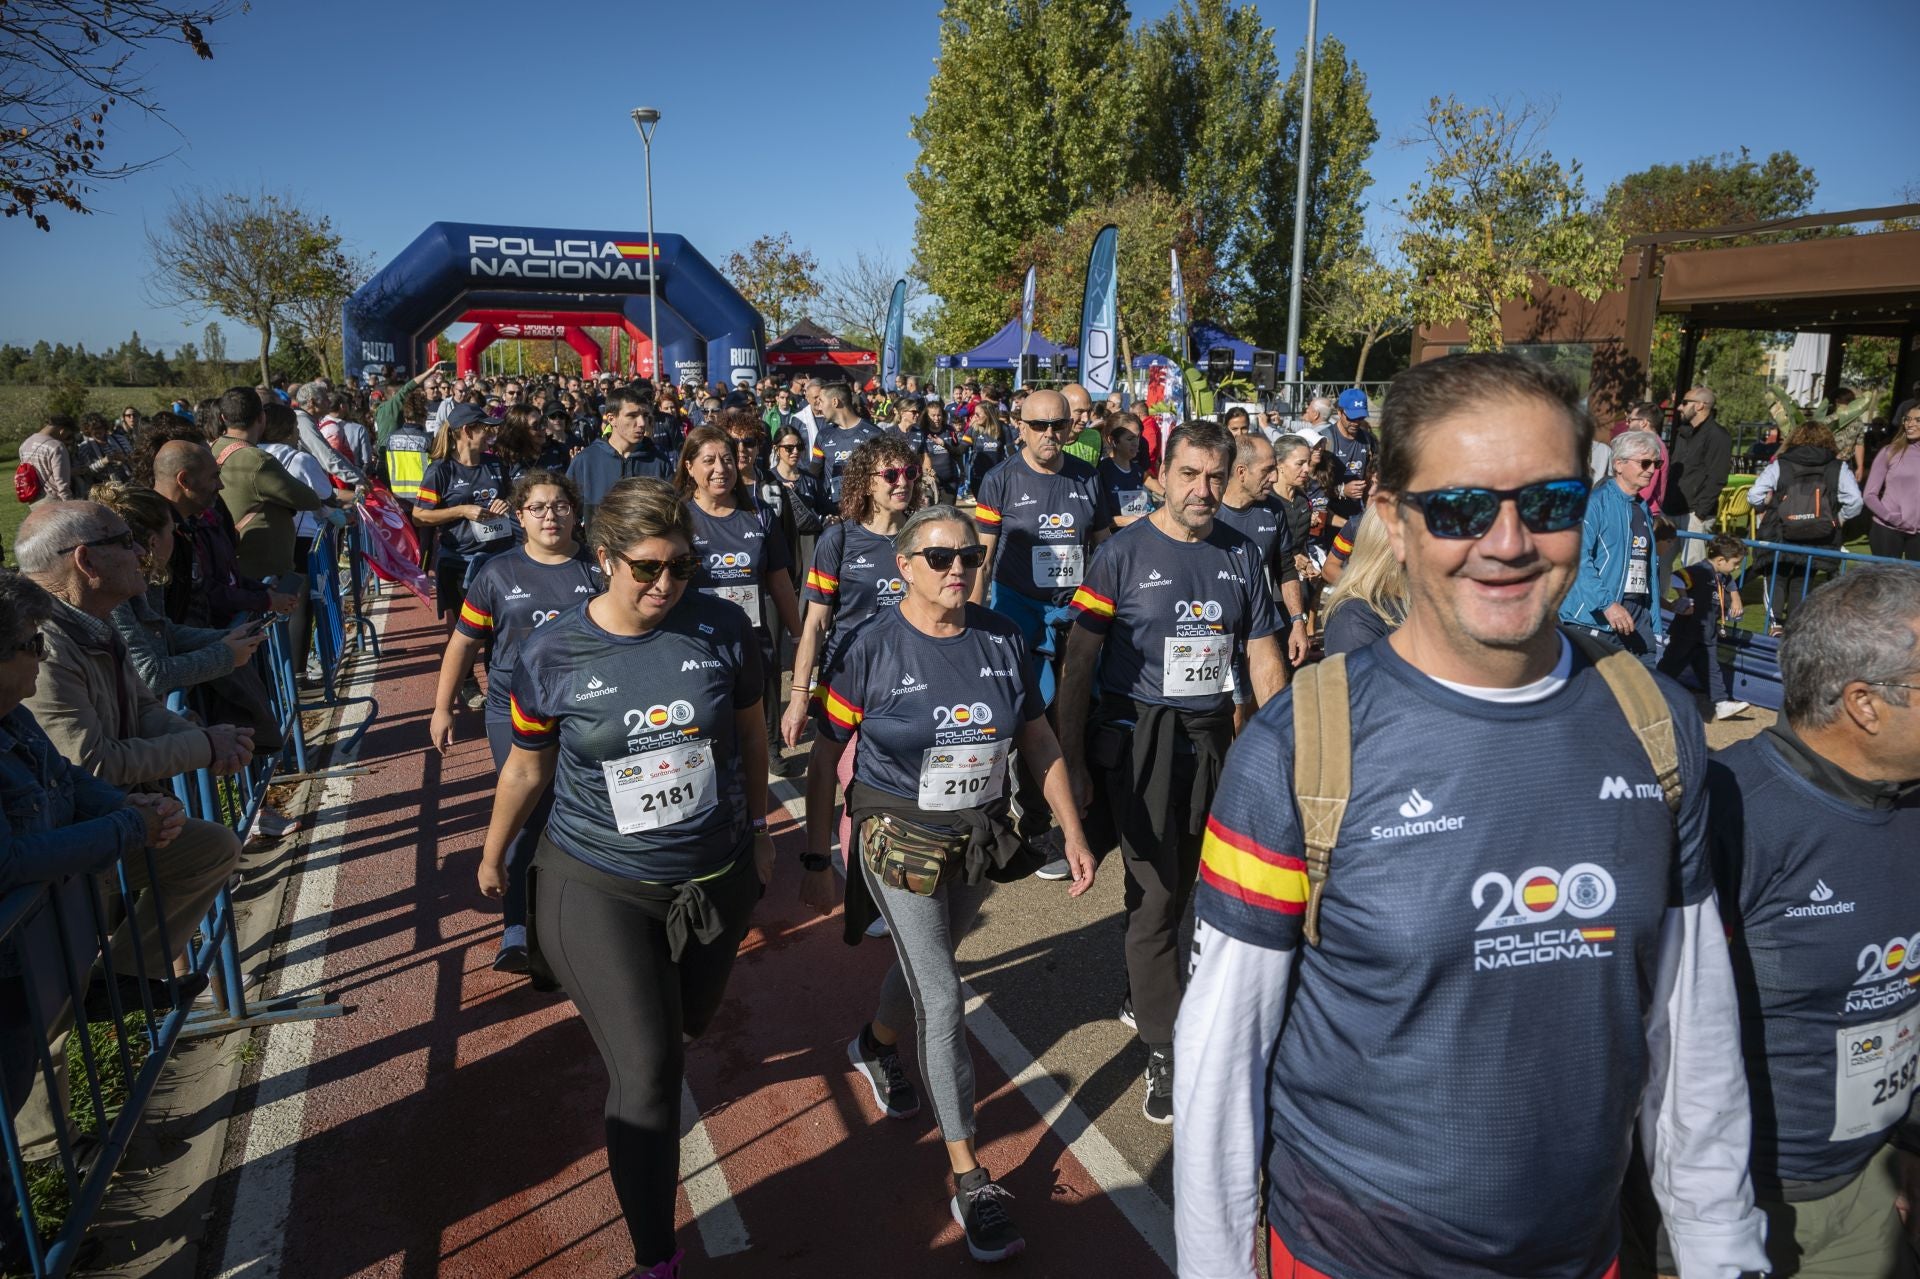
(607,946)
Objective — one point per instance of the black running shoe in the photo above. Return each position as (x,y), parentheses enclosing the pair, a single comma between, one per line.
(879,1064)
(1127,1018)
(1158,1105)
(979,1205)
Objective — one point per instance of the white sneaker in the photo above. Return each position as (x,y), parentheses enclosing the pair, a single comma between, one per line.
(270,823)
(878,928)
(1727,710)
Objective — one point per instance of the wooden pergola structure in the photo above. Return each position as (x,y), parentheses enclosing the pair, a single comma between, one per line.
(1844,285)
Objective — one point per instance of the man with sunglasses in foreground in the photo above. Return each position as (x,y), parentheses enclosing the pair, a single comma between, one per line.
(1512,948)
(1170,607)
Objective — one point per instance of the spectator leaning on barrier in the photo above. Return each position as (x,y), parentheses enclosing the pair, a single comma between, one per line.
(167,656)
(259,493)
(57,821)
(1805,497)
(207,587)
(309,403)
(103,717)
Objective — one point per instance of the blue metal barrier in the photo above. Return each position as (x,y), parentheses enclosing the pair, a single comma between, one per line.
(244,792)
(330,622)
(43,926)
(1772,568)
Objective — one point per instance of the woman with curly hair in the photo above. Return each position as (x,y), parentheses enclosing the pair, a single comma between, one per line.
(852,575)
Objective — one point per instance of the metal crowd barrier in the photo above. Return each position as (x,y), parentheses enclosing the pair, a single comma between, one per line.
(334,625)
(58,936)
(1782,574)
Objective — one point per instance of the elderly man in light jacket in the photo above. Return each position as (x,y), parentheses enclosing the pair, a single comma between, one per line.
(101,715)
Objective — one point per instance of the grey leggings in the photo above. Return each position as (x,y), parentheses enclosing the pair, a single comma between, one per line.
(924,985)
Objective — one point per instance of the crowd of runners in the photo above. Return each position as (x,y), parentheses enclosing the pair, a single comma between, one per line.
(1493,970)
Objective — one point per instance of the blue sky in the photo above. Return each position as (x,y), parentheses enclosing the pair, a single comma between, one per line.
(785,116)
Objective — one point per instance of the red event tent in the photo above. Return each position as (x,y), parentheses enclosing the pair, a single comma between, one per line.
(807,345)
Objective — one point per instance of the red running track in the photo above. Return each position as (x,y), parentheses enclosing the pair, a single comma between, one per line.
(452,1118)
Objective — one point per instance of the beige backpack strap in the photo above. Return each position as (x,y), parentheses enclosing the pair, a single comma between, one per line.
(1322,770)
(232,447)
(1647,711)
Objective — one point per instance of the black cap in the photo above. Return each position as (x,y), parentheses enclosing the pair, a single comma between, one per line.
(464,415)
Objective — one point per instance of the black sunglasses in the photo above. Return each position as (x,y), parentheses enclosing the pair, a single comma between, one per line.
(122,540)
(646,572)
(941,558)
(1551,506)
(1046,423)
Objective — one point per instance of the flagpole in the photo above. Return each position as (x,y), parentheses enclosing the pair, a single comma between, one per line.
(1300,211)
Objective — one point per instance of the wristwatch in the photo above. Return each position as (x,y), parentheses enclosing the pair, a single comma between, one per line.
(759,825)
(814,861)
(1298,617)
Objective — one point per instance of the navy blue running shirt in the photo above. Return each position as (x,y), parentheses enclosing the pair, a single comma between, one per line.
(1458,1074)
(511,596)
(833,446)
(449,483)
(625,710)
(1823,900)
(855,574)
(739,554)
(1045,522)
(1181,611)
(927,707)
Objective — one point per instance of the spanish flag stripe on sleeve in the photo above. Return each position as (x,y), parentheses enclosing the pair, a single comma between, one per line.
(841,711)
(1342,543)
(1087,600)
(984,514)
(426,497)
(819,453)
(825,583)
(1237,866)
(528,730)
(477,618)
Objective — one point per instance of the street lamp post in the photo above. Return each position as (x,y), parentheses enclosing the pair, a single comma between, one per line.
(1300,210)
(646,119)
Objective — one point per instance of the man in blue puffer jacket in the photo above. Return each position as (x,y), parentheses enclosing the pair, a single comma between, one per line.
(1612,598)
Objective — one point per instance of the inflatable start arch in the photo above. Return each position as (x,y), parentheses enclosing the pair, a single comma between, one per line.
(455,271)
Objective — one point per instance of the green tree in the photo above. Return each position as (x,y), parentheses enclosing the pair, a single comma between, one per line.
(214,339)
(1711,191)
(68,64)
(776,277)
(1358,300)
(1494,213)
(1151,223)
(319,307)
(248,257)
(1031,114)
(1213,126)
(1343,135)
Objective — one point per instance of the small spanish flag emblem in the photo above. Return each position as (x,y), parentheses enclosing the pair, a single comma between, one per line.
(1596,934)
(636,248)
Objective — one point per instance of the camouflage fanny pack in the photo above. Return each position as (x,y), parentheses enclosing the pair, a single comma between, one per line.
(904,854)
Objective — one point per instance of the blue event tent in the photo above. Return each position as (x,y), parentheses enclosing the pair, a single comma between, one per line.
(1002,351)
(1202,338)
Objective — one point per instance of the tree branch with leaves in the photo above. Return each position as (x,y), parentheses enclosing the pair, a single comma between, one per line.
(249,257)
(1494,213)
(776,278)
(1359,299)
(64,66)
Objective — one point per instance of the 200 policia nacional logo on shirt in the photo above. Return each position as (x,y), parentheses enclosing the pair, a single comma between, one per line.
(1583,892)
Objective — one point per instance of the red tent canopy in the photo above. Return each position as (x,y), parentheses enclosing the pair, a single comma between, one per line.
(807,345)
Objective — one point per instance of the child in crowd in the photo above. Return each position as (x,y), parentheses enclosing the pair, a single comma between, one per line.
(1708,606)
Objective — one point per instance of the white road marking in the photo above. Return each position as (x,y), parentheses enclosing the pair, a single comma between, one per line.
(722,1232)
(1110,1170)
(262,1202)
